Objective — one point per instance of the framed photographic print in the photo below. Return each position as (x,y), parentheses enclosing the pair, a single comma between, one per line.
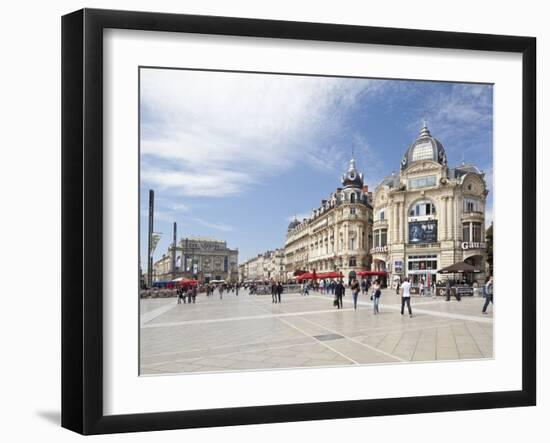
(268,221)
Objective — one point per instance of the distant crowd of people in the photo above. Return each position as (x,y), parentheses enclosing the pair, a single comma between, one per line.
(333,287)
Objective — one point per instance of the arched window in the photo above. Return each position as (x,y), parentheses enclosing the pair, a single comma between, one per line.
(422,207)
(352,198)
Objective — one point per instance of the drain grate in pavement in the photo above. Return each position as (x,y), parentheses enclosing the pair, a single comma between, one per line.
(327,337)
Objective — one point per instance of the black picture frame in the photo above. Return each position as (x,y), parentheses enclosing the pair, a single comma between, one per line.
(82,218)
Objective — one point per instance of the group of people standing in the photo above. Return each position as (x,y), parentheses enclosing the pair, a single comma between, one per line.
(276,291)
(356,288)
(186,294)
(221,288)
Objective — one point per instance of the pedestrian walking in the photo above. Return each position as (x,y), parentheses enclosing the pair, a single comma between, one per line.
(364,286)
(306,288)
(421,288)
(488,290)
(273,292)
(194,293)
(279,290)
(179,292)
(339,293)
(448,290)
(237,286)
(406,296)
(220,290)
(376,293)
(355,292)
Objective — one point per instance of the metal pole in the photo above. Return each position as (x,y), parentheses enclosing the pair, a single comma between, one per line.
(174,252)
(150,238)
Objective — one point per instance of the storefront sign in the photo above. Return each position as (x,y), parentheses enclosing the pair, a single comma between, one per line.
(379,249)
(473,245)
(419,218)
(423,232)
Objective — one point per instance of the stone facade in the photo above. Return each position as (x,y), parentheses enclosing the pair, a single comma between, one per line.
(337,236)
(266,266)
(198,257)
(429,216)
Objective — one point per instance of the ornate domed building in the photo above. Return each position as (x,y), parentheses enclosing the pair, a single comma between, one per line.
(337,235)
(429,216)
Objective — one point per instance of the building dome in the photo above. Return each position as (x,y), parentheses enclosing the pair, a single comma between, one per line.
(425,147)
(293,224)
(352,178)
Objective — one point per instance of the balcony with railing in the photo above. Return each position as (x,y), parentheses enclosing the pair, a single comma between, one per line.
(380,223)
(473,216)
(423,246)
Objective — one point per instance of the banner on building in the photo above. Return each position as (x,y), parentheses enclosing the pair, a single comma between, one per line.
(423,231)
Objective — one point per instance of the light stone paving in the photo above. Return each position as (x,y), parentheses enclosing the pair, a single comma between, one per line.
(249,332)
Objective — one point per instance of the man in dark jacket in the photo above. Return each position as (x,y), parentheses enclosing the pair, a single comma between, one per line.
(448,290)
(279,291)
(274,292)
(339,292)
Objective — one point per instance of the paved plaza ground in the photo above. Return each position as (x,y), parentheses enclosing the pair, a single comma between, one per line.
(249,332)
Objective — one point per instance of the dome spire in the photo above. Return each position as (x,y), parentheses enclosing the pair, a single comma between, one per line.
(425,147)
(352,177)
(424,132)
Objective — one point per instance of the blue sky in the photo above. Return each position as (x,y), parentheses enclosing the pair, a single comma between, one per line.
(236,155)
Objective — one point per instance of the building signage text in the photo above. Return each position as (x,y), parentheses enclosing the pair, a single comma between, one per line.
(473,245)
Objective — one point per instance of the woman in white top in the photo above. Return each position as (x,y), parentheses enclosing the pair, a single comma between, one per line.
(406,296)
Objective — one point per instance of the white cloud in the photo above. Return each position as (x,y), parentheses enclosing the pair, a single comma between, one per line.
(217,226)
(216,134)
(454,117)
(180,207)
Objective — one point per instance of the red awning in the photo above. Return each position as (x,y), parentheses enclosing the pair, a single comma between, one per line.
(367,273)
(186,282)
(330,275)
(308,276)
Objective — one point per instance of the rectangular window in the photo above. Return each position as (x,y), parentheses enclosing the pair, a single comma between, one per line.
(472,205)
(383,237)
(476,232)
(352,211)
(422,182)
(466,232)
(376,238)
(352,261)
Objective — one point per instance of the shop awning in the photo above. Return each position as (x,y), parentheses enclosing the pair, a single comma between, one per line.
(330,275)
(181,281)
(307,276)
(367,273)
(458,268)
